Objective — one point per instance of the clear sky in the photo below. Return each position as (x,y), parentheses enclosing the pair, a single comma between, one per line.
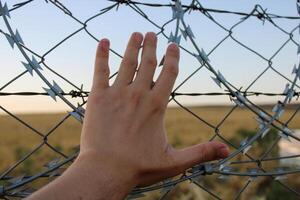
(42,25)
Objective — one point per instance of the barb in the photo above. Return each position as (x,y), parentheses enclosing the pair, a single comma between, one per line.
(267,123)
(74,93)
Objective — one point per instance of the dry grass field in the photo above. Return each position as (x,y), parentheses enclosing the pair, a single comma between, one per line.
(183,128)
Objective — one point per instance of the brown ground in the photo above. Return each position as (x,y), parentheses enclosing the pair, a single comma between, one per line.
(183,128)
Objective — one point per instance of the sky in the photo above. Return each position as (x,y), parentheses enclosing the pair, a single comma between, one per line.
(42,26)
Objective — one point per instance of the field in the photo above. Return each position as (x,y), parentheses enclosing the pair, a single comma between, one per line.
(184,129)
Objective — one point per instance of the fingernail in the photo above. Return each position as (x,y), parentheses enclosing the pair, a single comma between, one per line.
(223,151)
(173,46)
(137,36)
(151,35)
(104,44)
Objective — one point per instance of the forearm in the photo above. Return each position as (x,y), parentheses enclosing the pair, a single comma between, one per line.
(85,180)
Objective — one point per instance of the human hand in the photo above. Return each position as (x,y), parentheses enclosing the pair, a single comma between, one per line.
(123,140)
(124,130)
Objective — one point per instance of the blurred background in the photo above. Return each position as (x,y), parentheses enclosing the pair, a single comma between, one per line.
(253,52)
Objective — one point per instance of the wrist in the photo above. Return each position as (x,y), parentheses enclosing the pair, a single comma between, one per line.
(99,170)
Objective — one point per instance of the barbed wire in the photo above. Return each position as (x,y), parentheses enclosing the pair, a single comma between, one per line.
(74,94)
(17,186)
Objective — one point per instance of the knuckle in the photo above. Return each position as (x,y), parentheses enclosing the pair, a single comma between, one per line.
(97,98)
(151,61)
(115,94)
(130,61)
(207,153)
(172,70)
(135,96)
(104,70)
(204,155)
(157,102)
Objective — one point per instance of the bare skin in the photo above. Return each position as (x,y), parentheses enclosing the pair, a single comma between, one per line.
(123,140)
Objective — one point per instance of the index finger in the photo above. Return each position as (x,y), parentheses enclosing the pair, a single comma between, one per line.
(168,75)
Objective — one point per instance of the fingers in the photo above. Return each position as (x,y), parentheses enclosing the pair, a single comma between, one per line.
(200,153)
(165,82)
(148,62)
(101,69)
(130,60)
(168,75)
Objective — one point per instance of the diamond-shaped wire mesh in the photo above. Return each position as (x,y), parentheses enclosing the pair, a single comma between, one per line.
(256,165)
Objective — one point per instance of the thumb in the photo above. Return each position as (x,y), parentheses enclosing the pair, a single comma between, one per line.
(190,156)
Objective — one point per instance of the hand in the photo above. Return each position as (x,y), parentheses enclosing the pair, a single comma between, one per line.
(124,123)
(123,141)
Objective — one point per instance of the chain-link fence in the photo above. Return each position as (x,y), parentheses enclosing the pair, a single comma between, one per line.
(252,154)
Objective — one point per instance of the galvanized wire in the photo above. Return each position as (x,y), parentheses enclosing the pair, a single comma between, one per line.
(11,186)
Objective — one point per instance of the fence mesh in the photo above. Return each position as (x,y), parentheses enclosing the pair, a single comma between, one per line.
(252,160)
